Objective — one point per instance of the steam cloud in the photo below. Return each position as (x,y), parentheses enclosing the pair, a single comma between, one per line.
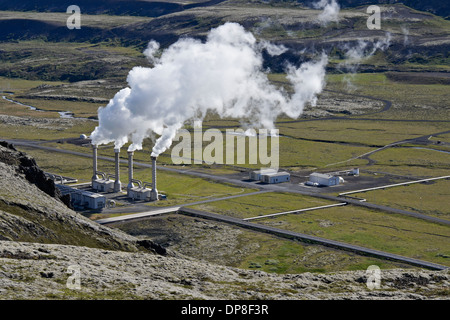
(363,50)
(224,74)
(330,11)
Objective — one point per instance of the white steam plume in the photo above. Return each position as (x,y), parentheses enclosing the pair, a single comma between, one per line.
(190,78)
(272,49)
(355,55)
(405,32)
(330,11)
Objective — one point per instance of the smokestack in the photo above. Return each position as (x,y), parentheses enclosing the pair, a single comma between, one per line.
(117,184)
(130,170)
(154,192)
(94,162)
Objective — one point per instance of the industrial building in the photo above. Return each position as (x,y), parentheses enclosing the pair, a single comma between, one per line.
(269,175)
(105,184)
(256,175)
(136,189)
(324,179)
(277,177)
(84,199)
(141,192)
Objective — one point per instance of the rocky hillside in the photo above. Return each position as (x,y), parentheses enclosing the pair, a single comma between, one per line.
(41,239)
(39,271)
(158,8)
(414,40)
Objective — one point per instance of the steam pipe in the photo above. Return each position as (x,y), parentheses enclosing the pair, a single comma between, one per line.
(60,178)
(147,184)
(102,174)
(138,182)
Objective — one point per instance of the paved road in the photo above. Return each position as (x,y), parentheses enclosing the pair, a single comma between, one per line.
(140,215)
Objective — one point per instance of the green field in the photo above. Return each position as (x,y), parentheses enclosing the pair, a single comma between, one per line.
(429,198)
(373,229)
(262,204)
(291,257)
(242,248)
(411,162)
(410,101)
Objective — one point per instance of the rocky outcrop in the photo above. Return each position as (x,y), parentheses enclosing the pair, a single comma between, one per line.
(27,166)
(40,271)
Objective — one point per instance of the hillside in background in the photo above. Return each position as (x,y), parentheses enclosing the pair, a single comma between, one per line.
(413,40)
(161,7)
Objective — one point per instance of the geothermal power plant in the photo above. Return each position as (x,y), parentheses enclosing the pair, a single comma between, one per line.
(136,189)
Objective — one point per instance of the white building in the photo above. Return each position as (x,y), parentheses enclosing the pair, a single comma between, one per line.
(277,177)
(81,198)
(256,175)
(92,200)
(139,193)
(103,185)
(324,179)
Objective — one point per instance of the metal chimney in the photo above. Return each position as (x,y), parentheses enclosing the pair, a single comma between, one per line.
(94,162)
(154,192)
(130,170)
(117,184)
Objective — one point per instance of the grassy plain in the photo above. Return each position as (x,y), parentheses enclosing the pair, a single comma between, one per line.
(373,229)
(262,204)
(429,198)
